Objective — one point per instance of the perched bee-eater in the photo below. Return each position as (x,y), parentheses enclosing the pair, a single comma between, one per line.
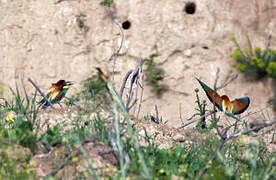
(223,103)
(101,75)
(55,93)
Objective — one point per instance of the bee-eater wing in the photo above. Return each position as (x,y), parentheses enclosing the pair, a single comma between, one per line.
(211,94)
(50,90)
(43,100)
(240,105)
(53,96)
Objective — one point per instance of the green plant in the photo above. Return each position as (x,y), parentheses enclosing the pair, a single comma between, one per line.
(106,2)
(20,127)
(201,111)
(92,96)
(154,75)
(81,18)
(256,63)
(52,137)
(2,89)
(12,166)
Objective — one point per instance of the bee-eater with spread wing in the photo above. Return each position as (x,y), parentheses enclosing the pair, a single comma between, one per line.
(55,93)
(223,103)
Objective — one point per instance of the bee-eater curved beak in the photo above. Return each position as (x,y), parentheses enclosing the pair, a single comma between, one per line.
(67,85)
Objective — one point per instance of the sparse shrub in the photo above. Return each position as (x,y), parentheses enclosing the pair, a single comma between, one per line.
(256,63)
(21,117)
(106,2)
(52,137)
(81,18)
(154,75)
(92,96)
(201,108)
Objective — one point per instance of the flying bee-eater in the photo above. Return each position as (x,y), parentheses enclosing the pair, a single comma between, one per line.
(223,103)
(55,93)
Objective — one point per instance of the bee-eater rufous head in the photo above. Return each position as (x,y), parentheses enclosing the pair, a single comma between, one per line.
(223,103)
(55,93)
(101,75)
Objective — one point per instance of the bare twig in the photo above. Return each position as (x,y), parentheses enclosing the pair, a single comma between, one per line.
(256,128)
(40,92)
(124,83)
(214,105)
(255,112)
(195,120)
(138,84)
(156,112)
(135,75)
(228,82)
(268,42)
(155,118)
(180,114)
(114,129)
(116,53)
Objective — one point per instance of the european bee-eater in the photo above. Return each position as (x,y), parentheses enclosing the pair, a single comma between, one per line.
(55,93)
(223,103)
(100,75)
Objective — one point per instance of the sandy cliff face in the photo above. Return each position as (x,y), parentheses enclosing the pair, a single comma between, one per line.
(42,40)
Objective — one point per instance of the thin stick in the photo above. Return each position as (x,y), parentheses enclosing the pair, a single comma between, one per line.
(156,112)
(190,122)
(40,92)
(256,128)
(138,84)
(180,114)
(116,53)
(214,105)
(228,82)
(124,83)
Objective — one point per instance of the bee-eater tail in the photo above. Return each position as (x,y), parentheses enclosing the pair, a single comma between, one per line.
(45,106)
(42,101)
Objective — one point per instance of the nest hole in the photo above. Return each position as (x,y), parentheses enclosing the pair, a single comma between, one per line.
(190,8)
(126,25)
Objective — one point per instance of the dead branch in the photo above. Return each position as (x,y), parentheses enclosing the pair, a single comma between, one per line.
(214,104)
(180,114)
(40,92)
(116,53)
(256,128)
(228,82)
(156,112)
(135,76)
(195,120)
(124,83)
